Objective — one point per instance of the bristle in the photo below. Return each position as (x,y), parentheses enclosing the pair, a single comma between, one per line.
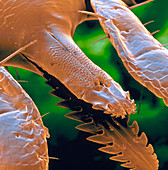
(148,22)
(93,14)
(16,52)
(22,81)
(17,73)
(155,32)
(100,39)
(49,157)
(165,45)
(143,3)
(45,114)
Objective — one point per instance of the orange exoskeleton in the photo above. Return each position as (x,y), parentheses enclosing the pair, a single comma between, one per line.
(52,23)
(143,56)
(96,98)
(23,136)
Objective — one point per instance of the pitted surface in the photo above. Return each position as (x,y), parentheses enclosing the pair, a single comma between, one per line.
(22,134)
(52,24)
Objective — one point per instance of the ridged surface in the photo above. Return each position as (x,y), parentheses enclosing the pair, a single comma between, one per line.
(63,59)
(85,88)
(119,138)
(143,56)
(125,144)
(56,52)
(23,144)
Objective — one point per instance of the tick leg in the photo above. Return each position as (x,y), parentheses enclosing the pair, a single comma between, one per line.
(58,55)
(23,136)
(142,55)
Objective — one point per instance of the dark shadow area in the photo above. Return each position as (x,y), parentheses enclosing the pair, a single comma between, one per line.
(79,154)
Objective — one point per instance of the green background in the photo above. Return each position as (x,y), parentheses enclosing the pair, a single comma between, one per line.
(67,143)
